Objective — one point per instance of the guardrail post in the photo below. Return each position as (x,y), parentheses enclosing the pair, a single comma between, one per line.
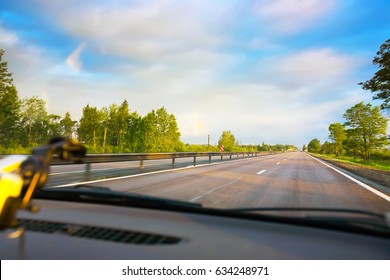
(209,158)
(194,160)
(141,164)
(88,171)
(230,156)
(221,157)
(173,161)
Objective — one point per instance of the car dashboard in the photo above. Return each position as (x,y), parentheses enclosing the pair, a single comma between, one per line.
(64,230)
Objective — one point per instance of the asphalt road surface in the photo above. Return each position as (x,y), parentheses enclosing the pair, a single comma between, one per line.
(282,180)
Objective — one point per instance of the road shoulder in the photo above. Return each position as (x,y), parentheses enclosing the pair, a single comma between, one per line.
(377,179)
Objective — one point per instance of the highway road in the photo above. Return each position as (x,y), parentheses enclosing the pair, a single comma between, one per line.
(283,180)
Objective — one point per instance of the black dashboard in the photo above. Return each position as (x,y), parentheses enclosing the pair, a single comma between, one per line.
(69,230)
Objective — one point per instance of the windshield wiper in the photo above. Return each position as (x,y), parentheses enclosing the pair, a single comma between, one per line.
(103,195)
(309,209)
(358,221)
(376,224)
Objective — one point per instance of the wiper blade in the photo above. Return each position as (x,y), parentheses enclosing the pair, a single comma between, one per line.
(310,209)
(368,222)
(103,195)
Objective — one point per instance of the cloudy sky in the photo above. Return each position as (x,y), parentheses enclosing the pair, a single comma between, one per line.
(273,71)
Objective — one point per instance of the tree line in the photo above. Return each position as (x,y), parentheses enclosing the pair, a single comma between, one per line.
(364,129)
(25,123)
(363,132)
(231,144)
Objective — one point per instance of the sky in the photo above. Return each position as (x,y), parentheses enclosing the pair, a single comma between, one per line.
(273,71)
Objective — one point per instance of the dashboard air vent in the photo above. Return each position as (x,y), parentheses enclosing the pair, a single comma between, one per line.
(99,233)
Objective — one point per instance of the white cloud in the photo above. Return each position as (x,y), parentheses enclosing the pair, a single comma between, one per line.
(200,67)
(7,38)
(143,30)
(26,62)
(308,70)
(289,16)
(314,66)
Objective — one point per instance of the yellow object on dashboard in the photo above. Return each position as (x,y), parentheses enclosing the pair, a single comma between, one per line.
(11,163)
(10,187)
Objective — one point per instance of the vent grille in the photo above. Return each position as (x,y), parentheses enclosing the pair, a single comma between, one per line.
(98,233)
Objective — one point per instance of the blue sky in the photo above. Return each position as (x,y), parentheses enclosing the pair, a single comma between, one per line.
(273,71)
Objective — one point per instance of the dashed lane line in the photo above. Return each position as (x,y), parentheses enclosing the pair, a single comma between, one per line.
(214,189)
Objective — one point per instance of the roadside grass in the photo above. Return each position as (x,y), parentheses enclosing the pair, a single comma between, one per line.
(374,163)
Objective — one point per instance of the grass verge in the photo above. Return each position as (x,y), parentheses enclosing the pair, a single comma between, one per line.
(376,173)
(379,164)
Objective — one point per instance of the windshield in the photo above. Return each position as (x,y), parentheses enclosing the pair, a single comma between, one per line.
(224,104)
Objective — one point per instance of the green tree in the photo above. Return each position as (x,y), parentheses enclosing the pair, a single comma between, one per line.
(53,126)
(9,106)
(366,128)
(227,140)
(263,147)
(328,148)
(133,132)
(35,121)
(168,130)
(159,132)
(379,84)
(9,117)
(314,146)
(118,124)
(67,125)
(148,141)
(5,77)
(337,135)
(90,130)
(350,143)
(111,125)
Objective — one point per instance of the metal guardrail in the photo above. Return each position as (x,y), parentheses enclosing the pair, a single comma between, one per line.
(103,158)
(141,157)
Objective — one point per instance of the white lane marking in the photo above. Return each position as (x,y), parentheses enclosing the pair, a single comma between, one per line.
(67,172)
(367,187)
(82,171)
(278,163)
(214,189)
(149,173)
(262,171)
